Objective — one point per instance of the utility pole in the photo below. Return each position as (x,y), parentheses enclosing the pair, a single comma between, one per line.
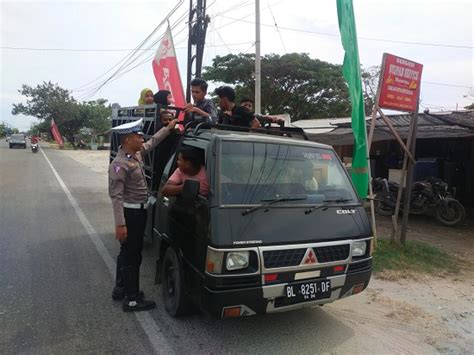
(198,21)
(258,74)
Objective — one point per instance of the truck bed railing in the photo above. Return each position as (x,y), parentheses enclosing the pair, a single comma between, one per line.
(151,124)
(291,132)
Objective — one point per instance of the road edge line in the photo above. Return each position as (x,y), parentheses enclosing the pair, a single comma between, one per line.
(149,326)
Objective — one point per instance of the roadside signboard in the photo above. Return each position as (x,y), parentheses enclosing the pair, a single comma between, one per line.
(400,83)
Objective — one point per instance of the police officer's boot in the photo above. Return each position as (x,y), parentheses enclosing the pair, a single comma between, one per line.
(133,301)
(118,293)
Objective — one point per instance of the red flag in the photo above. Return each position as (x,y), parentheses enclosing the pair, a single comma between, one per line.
(166,70)
(56,135)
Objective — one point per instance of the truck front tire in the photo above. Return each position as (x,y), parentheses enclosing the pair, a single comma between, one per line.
(173,291)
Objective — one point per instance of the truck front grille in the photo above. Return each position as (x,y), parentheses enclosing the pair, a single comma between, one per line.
(293,257)
(332,253)
(283,258)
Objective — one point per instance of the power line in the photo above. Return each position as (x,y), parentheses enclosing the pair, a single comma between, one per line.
(444,84)
(72,49)
(117,74)
(278,30)
(359,37)
(90,86)
(130,58)
(110,50)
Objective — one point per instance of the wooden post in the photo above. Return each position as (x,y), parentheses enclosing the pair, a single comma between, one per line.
(402,182)
(372,127)
(411,170)
(371,192)
(396,135)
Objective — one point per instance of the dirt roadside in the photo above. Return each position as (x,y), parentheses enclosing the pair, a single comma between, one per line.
(429,314)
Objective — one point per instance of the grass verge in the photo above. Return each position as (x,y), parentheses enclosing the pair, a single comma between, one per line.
(413,258)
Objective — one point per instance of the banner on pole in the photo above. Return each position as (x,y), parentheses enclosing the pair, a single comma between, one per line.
(166,70)
(55,133)
(351,72)
(400,83)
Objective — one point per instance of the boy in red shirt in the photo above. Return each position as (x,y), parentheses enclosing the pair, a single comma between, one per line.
(189,167)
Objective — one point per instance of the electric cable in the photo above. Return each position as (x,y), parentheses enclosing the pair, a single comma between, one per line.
(359,37)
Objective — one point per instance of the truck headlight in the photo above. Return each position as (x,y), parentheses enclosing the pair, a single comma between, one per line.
(237,260)
(359,248)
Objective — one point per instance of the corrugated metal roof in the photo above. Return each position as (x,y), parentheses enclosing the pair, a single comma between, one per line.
(430,125)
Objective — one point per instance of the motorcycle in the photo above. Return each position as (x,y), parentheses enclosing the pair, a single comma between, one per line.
(34,147)
(429,196)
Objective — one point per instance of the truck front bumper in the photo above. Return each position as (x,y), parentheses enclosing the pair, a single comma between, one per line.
(272,299)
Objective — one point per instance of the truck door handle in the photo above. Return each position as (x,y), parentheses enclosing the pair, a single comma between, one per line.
(166,201)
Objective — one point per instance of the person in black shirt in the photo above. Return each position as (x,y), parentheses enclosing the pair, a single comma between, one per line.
(202,107)
(232,114)
(248,104)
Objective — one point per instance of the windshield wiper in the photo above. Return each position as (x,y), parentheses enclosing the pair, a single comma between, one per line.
(272,201)
(326,204)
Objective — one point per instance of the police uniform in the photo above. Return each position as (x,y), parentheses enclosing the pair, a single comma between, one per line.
(129,194)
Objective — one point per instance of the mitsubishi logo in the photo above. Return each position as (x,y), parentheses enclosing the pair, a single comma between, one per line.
(309,258)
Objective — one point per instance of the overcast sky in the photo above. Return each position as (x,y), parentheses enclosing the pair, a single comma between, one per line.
(443,31)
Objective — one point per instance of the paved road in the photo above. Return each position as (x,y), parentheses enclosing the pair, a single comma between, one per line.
(57,254)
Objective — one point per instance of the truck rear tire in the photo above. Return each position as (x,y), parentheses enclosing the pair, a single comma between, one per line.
(173,291)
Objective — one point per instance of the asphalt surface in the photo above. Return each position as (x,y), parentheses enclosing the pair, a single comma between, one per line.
(56,279)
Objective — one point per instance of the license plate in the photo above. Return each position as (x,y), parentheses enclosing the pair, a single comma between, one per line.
(308,291)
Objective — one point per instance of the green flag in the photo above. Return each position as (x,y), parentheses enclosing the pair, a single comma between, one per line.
(351,72)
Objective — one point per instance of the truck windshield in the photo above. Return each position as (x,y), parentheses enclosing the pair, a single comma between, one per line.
(252,173)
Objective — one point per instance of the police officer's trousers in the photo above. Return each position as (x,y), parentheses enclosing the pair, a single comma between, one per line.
(130,256)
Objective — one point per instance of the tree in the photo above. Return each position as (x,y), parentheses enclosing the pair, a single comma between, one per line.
(48,101)
(293,83)
(469,107)
(96,114)
(370,82)
(3,129)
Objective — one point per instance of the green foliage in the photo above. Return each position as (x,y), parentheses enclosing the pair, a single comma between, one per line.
(413,257)
(96,115)
(49,101)
(469,107)
(292,83)
(370,80)
(3,130)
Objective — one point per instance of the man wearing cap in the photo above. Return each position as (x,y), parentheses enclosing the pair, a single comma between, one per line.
(129,194)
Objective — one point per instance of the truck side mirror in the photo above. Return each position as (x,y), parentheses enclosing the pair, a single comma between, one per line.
(190,189)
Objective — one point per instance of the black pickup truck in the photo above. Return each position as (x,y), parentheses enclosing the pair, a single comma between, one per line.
(281,229)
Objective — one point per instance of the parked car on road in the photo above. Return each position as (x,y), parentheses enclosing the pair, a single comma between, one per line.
(17,140)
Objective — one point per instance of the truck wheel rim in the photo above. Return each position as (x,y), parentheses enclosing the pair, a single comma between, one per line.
(170,281)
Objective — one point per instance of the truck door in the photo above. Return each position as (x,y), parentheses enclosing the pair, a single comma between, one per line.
(163,203)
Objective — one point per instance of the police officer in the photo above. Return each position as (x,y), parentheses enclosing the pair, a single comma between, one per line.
(129,194)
